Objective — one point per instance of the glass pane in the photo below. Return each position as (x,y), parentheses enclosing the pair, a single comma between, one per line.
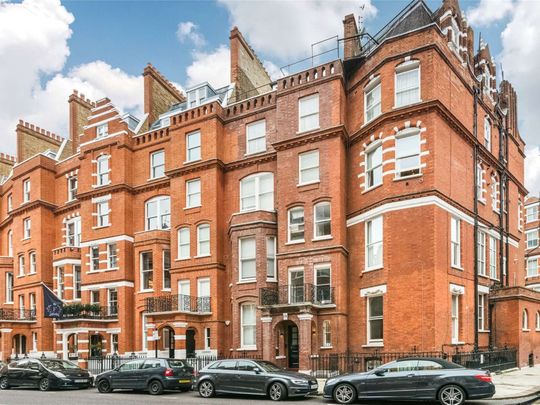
(249,269)
(376,306)
(247,248)
(309,105)
(376,329)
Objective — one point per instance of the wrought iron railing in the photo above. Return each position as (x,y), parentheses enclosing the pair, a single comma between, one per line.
(297,294)
(10,314)
(89,311)
(179,302)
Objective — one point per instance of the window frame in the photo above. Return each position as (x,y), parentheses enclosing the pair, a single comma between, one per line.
(529,260)
(180,243)
(481,253)
(326,334)
(402,69)
(102,214)
(27,228)
(302,170)
(21,265)
(525,320)
(416,170)
(370,318)
(256,177)
(32,262)
(249,126)
(455,243)
(27,189)
(243,325)
(537,239)
(299,225)
(102,170)
(102,130)
(191,194)
(190,148)
(368,170)
(110,306)
(534,217)
(482,307)
(112,257)
(301,115)
(199,227)
(10,243)
(455,318)
(10,283)
(94,259)
(149,272)
(368,244)
(77,283)
(271,256)
(322,221)
(487,133)
(166,270)
(156,169)
(76,237)
(251,258)
(493,258)
(161,213)
(372,86)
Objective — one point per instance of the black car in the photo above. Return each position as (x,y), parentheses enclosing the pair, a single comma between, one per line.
(253,377)
(152,375)
(413,379)
(44,374)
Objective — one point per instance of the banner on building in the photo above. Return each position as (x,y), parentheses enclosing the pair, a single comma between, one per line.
(52,305)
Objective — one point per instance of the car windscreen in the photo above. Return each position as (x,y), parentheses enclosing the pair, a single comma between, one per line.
(267,366)
(176,364)
(58,365)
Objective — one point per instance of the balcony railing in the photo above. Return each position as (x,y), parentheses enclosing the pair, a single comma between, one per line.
(295,294)
(10,314)
(89,311)
(178,303)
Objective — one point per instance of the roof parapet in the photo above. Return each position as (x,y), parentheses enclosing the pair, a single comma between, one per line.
(41,131)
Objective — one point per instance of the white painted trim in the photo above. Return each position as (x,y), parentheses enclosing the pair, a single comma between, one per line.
(116,284)
(107,240)
(457,289)
(63,262)
(373,291)
(482,289)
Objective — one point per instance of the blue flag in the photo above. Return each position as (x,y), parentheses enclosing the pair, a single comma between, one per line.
(52,305)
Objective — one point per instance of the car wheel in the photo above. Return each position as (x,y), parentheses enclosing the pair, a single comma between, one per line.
(277,392)
(104,386)
(344,394)
(155,387)
(451,395)
(4,383)
(206,389)
(44,384)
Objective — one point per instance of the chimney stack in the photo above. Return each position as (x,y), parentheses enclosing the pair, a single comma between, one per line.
(351,41)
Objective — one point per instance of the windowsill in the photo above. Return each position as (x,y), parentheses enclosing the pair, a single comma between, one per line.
(8,302)
(366,122)
(166,289)
(309,183)
(188,162)
(259,152)
(457,267)
(367,270)
(191,208)
(326,347)
(70,201)
(296,242)
(321,238)
(484,331)
(458,343)
(101,227)
(157,178)
(32,273)
(20,276)
(24,203)
(396,107)
(250,281)
(412,176)
(366,190)
(25,239)
(102,271)
(201,256)
(525,330)
(536,275)
(182,259)
(482,201)
(247,349)
(374,344)
(101,185)
(305,131)
(146,291)
(271,280)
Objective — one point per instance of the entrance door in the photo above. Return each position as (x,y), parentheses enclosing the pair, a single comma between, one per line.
(293,348)
(190,343)
(96,346)
(168,341)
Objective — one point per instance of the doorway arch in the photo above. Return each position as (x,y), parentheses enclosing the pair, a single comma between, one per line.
(288,342)
(167,341)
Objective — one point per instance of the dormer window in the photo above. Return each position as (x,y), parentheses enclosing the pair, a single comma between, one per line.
(102,130)
(199,95)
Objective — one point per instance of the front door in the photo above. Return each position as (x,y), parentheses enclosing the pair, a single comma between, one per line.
(190,343)
(293,349)
(171,344)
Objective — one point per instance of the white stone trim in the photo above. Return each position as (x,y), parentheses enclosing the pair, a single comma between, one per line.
(63,262)
(116,284)
(101,199)
(107,240)
(180,324)
(375,290)
(457,289)
(482,289)
(266,319)
(305,317)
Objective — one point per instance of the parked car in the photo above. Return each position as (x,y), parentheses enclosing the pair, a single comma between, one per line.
(413,379)
(253,377)
(44,374)
(152,375)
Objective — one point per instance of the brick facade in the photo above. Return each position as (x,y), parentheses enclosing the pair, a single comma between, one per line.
(377,214)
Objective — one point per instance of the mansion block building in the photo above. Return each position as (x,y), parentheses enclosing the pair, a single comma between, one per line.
(371,203)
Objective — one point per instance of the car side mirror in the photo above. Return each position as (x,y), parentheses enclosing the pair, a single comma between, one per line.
(257,370)
(380,372)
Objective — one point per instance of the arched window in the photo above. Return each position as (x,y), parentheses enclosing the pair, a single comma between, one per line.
(102,170)
(296,224)
(407,83)
(408,162)
(525,320)
(184,243)
(322,220)
(158,213)
(257,192)
(203,240)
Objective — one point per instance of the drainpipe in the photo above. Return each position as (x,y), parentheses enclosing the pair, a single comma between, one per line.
(475,171)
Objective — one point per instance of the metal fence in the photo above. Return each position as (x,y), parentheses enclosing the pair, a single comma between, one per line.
(99,364)
(333,364)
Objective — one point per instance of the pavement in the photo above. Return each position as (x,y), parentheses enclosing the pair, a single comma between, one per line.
(517,383)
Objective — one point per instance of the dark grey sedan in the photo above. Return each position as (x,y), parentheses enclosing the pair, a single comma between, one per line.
(253,377)
(413,379)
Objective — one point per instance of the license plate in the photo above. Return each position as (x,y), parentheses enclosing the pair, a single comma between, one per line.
(184,381)
(80,381)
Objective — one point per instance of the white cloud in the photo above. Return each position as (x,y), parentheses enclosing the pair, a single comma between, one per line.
(212,67)
(489,11)
(521,61)
(273,70)
(34,49)
(286,29)
(189,31)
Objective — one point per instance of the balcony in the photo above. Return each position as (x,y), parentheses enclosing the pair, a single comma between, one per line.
(10,314)
(89,311)
(178,303)
(298,294)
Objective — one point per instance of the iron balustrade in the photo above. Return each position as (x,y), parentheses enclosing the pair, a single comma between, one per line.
(297,294)
(178,303)
(10,314)
(90,312)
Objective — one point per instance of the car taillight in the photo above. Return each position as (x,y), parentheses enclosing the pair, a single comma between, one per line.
(483,377)
(169,372)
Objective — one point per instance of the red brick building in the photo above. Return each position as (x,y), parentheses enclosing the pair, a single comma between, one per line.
(374,202)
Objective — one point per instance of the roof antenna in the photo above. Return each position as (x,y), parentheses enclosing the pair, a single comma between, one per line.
(361,27)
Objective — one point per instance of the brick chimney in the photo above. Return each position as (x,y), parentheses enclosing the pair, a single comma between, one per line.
(351,42)
(32,140)
(6,164)
(80,108)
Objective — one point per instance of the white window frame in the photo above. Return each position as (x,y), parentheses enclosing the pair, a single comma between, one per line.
(157,170)
(102,170)
(72,185)
(370,318)
(207,338)
(257,192)
(369,168)
(525,320)
(252,257)
(370,244)
(9,203)
(520,216)
(190,137)
(537,320)
(161,213)
(166,269)
(94,259)
(528,240)
(77,282)
(317,221)
(144,272)
(292,298)
(316,268)
(494,193)
(402,69)
(200,252)
(454,317)
(243,325)
(22,265)
(271,261)
(326,334)
(480,183)
(493,258)
(61,281)
(22,307)
(10,243)
(33,303)
(110,302)
(302,170)
(193,194)
(530,273)
(297,226)
(487,133)
(373,87)
(532,217)
(184,304)
(27,226)
(112,255)
(102,130)
(482,306)
(415,170)
(455,242)
(76,238)
(102,214)
(32,258)
(185,230)
(302,116)
(253,136)
(27,186)
(481,253)
(9,287)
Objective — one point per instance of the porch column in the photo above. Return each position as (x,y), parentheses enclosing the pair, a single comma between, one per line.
(151,339)
(5,343)
(267,339)
(304,331)
(180,339)
(83,346)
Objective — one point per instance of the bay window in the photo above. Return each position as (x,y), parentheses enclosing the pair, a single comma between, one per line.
(408,153)
(407,83)
(296,224)
(248,320)
(374,243)
(248,256)
(322,220)
(158,213)
(257,192)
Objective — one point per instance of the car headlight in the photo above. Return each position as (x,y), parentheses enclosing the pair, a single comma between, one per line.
(58,374)
(300,382)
